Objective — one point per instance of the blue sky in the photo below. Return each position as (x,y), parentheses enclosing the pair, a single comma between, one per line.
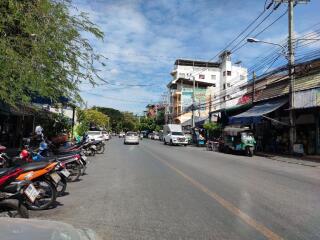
(144,37)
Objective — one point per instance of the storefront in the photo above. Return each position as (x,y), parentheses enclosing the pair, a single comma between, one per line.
(270,124)
(307,108)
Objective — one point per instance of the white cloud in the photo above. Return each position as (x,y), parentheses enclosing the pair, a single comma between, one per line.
(143,38)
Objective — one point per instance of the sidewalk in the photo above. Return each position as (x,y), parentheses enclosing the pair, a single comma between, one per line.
(311,160)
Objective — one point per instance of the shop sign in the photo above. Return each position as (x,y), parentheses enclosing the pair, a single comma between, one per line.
(186,98)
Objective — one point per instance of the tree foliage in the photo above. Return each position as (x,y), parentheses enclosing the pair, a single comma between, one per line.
(93,118)
(115,117)
(42,51)
(129,122)
(213,129)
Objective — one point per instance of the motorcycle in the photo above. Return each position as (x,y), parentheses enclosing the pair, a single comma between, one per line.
(45,179)
(11,202)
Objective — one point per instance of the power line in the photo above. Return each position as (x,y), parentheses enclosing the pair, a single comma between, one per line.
(277,19)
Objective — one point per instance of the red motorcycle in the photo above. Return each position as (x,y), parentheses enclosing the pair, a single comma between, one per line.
(11,203)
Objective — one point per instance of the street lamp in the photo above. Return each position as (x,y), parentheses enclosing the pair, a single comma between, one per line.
(254,40)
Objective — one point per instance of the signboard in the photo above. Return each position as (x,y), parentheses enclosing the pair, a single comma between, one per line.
(186,97)
(307,99)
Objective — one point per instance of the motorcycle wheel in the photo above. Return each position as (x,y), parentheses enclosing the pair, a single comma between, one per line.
(75,172)
(47,196)
(93,152)
(13,208)
(101,149)
(61,187)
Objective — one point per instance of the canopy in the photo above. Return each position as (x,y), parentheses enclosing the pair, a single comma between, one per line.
(199,121)
(256,113)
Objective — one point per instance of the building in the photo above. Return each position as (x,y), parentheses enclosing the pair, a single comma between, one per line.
(269,115)
(214,83)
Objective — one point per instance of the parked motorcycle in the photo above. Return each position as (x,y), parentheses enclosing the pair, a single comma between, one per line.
(11,202)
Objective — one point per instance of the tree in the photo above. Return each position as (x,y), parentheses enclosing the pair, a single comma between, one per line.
(129,122)
(90,118)
(115,117)
(213,129)
(42,51)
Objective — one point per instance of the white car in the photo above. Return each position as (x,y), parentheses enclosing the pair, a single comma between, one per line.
(175,138)
(96,135)
(106,135)
(121,134)
(156,137)
(131,138)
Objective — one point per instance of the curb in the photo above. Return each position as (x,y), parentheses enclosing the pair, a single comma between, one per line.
(274,158)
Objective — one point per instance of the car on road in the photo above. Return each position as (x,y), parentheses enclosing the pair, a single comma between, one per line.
(131,138)
(121,134)
(156,136)
(96,135)
(150,135)
(106,135)
(173,135)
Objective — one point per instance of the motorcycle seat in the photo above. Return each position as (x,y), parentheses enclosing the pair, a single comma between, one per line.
(34,166)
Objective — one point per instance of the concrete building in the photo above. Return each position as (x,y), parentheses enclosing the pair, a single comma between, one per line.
(214,87)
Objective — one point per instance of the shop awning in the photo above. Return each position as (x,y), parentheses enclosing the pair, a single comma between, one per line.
(198,121)
(256,113)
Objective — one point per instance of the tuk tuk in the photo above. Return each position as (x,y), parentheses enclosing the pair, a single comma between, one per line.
(238,139)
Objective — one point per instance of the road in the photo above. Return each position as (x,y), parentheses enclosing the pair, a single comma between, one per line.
(152,191)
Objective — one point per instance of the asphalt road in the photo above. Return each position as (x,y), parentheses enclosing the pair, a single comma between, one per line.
(152,191)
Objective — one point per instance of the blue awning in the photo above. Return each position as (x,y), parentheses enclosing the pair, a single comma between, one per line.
(255,114)
(198,121)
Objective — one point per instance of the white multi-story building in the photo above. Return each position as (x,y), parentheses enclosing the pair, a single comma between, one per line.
(215,87)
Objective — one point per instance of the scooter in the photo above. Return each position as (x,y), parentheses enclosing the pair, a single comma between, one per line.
(11,193)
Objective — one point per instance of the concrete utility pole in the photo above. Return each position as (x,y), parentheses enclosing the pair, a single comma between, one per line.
(193,100)
(291,74)
(210,107)
(253,86)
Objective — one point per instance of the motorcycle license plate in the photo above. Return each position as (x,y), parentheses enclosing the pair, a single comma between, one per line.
(31,192)
(55,177)
(65,172)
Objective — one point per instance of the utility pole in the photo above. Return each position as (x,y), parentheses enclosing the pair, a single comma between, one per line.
(292,133)
(210,108)
(199,104)
(193,100)
(291,5)
(253,86)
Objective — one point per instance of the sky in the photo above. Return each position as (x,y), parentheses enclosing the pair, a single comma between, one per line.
(143,38)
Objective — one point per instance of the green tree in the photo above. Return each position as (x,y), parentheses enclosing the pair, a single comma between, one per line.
(129,122)
(43,51)
(115,117)
(90,118)
(213,129)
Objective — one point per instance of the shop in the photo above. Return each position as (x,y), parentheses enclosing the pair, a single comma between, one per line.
(15,123)
(307,111)
(270,124)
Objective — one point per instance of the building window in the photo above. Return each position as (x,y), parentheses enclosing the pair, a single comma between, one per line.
(242,77)
(224,86)
(213,77)
(182,75)
(228,73)
(201,76)
(228,85)
(224,73)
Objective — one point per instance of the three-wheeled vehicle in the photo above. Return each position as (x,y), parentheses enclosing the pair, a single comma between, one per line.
(237,139)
